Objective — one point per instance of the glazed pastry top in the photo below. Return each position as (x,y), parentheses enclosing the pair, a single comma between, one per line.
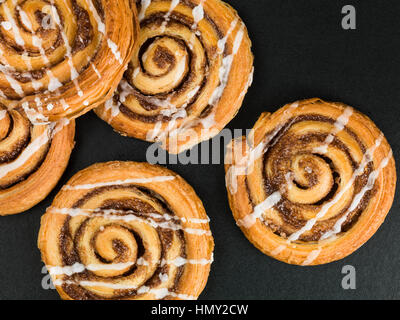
(311,171)
(61,58)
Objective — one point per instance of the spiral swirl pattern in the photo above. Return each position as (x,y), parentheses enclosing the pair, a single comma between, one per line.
(32,159)
(313,183)
(127,231)
(60,58)
(188,74)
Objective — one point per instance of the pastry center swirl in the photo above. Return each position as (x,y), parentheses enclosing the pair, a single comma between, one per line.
(315,172)
(165,62)
(127,240)
(39,38)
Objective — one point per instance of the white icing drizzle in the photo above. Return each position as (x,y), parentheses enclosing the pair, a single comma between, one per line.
(96,70)
(119,182)
(100,25)
(179,262)
(289,180)
(222,42)
(144,5)
(3,114)
(114,107)
(278,250)
(174,3)
(180,69)
(6,25)
(68,8)
(171,110)
(79,268)
(30,150)
(198,15)
(114,49)
(110,214)
(167,216)
(24,55)
(126,90)
(197,232)
(34,116)
(159,293)
(312,256)
(38,43)
(25,19)
(249,220)
(54,83)
(227,61)
(194,220)
(248,85)
(339,125)
(13,83)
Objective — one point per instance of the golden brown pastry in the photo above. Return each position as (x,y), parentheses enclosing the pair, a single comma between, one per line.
(126,230)
(188,75)
(61,58)
(313,182)
(32,159)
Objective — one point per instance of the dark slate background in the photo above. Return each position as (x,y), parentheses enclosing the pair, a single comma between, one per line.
(301,51)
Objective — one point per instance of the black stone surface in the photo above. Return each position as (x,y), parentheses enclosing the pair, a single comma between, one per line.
(301,51)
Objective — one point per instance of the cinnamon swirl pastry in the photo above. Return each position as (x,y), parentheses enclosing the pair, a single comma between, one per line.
(188,75)
(312,184)
(125,230)
(61,58)
(32,159)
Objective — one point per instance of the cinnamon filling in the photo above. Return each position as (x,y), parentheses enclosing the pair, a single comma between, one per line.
(12,144)
(163,57)
(281,152)
(83,37)
(70,241)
